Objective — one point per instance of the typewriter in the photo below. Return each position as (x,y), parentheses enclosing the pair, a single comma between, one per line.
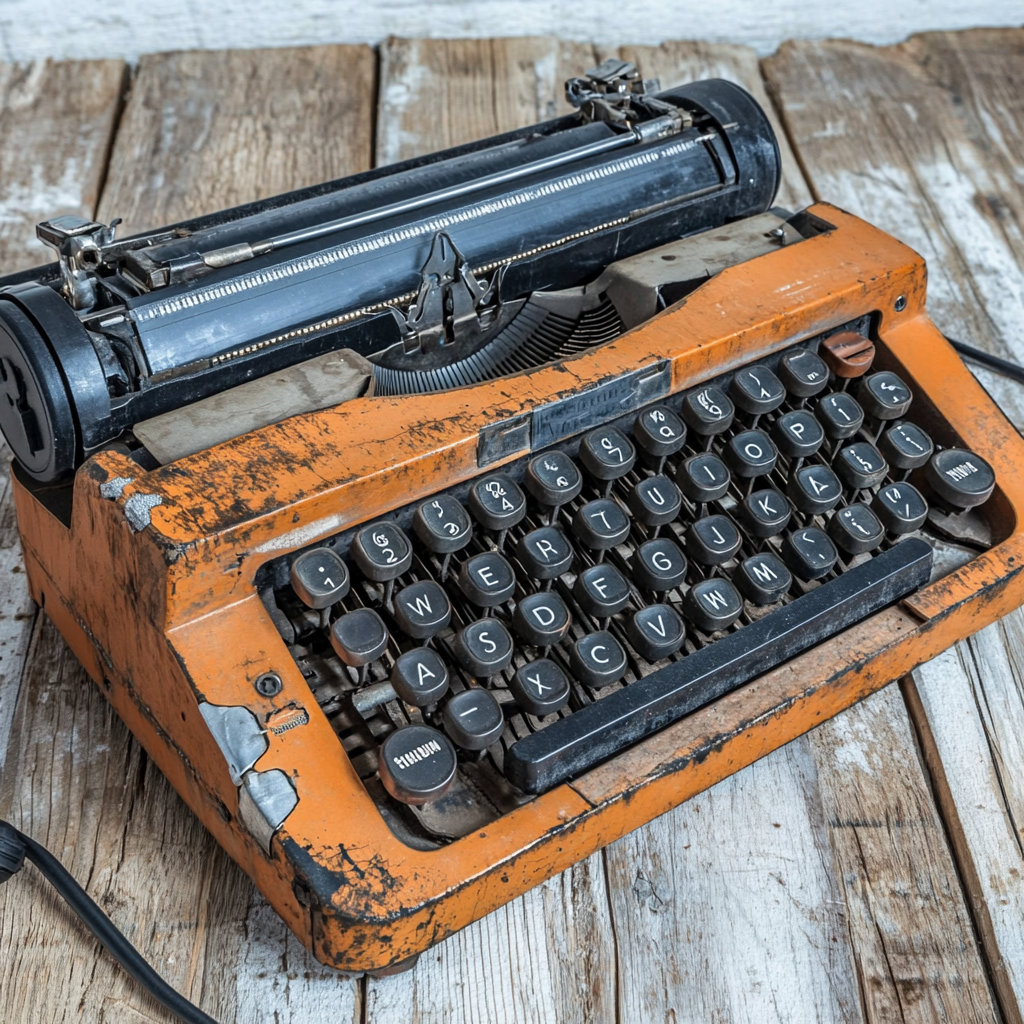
(435,527)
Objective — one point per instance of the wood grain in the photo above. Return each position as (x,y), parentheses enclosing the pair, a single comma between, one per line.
(206,131)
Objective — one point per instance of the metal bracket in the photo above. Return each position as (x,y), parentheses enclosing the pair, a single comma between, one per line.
(79,244)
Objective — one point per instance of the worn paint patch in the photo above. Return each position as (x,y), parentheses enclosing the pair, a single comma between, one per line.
(137,510)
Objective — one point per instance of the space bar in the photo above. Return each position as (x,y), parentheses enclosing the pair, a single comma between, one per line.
(596,732)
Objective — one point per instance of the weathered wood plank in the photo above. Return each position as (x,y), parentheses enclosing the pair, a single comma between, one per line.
(200,131)
(207,130)
(727,908)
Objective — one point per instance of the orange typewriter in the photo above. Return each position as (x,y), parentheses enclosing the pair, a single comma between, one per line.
(435,527)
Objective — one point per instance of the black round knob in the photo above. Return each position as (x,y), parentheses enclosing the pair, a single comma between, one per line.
(960,477)
(474,719)
(417,764)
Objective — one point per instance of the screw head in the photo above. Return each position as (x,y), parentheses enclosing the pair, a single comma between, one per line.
(269,684)
(900,304)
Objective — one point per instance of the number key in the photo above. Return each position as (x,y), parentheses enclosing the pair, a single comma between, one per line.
(659,431)
(443,524)
(382,551)
(496,502)
(553,479)
(319,578)
(607,453)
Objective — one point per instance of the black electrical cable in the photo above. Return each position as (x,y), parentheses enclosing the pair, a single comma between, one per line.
(15,846)
(977,355)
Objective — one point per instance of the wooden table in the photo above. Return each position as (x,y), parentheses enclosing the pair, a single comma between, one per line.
(871,871)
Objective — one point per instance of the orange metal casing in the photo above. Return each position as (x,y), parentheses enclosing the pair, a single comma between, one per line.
(167,616)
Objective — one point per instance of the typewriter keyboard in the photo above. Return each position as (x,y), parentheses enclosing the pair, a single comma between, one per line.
(509,633)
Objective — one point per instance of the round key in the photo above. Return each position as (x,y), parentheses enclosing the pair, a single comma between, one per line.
(540,688)
(319,578)
(659,431)
(960,477)
(474,719)
(900,507)
(764,513)
(606,453)
(763,579)
(382,551)
(856,529)
(443,525)
(417,764)
(756,390)
(860,465)
(906,446)
(798,434)
(884,396)
(703,478)
(814,489)
(708,411)
(544,553)
(802,373)
(655,501)
(750,454)
(658,565)
(553,478)
(809,553)
(359,637)
(712,540)
(496,502)
(483,648)
(656,631)
(487,580)
(600,525)
(601,591)
(420,677)
(422,609)
(712,604)
(541,619)
(597,659)
(839,414)
(848,354)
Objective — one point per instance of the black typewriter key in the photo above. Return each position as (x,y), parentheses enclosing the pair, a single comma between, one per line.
(607,453)
(655,501)
(319,578)
(544,553)
(756,390)
(601,524)
(751,453)
(382,551)
(422,609)
(443,525)
(483,648)
(860,465)
(656,631)
(763,579)
(802,373)
(884,396)
(703,478)
(359,637)
(713,604)
(848,354)
(420,677)
(809,553)
(906,446)
(658,565)
(553,479)
(417,764)
(540,688)
(839,414)
(597,659)
(764,513)
(856,529)
(900,507)
(798,434)
(708,411)
(712,540)
(496,502)
(601,591)
(541,619)
(814,489)
(487,580)
(960,477)
(473,719)
(659,431)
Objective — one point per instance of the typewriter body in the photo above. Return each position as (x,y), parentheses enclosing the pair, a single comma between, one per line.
(435,528)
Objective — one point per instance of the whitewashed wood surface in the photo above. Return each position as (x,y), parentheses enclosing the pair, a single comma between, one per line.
(817,885)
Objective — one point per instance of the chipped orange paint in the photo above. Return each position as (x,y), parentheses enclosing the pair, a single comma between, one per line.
(168,616)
